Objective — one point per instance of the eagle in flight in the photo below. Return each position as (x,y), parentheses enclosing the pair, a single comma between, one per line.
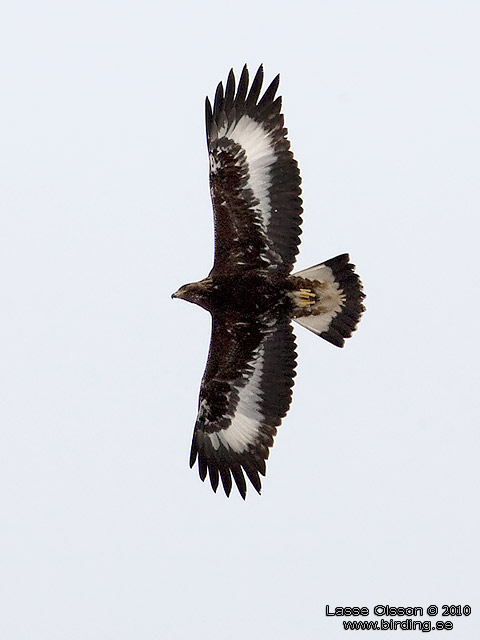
(250,293)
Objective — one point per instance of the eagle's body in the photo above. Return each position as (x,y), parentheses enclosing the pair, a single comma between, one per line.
(250,293)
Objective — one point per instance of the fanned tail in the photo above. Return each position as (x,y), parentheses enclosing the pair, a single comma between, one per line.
(329,299)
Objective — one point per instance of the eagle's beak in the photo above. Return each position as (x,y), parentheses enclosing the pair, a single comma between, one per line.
(174,295)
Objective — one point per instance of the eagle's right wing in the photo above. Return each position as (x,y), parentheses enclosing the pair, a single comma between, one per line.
(245,392)
(254,179)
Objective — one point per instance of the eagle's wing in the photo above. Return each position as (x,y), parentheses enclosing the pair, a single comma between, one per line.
(254,179)
(245,392)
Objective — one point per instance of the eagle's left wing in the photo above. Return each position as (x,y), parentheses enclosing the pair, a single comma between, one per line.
(254,179)
(245,392)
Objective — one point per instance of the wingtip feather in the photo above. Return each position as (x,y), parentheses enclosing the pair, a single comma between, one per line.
(218,102)
(208,117)
(255,88)
(239,480)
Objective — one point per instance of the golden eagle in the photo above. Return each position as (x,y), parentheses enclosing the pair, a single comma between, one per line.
(246,389)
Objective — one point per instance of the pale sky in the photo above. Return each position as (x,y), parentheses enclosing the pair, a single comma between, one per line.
(371,493)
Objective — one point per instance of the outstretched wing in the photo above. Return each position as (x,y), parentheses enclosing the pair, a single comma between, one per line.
(254,179)
(245,392)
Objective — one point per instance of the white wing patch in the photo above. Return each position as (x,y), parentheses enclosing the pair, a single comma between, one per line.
(247,418)
(260,156)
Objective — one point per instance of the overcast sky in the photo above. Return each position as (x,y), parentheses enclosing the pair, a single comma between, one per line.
(371,494)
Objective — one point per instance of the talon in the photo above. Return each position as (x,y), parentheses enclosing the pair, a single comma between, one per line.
(306,293)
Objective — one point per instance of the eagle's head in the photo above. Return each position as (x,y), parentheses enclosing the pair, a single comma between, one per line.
(196,292)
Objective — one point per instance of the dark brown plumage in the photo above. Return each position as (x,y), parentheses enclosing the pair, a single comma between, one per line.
(246,389)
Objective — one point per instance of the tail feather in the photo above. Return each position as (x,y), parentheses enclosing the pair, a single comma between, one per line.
(336,309)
